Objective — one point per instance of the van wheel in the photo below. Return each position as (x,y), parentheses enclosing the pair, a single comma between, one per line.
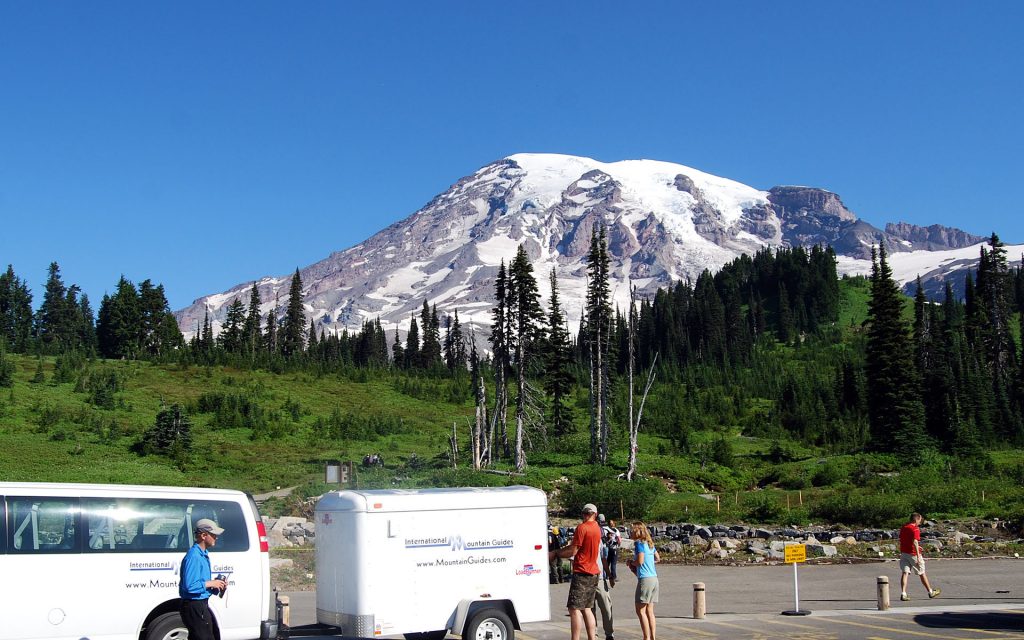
(427,635)
(490,624)
(167,627)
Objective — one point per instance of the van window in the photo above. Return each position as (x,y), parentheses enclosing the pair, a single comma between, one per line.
(137,525)
(43,525)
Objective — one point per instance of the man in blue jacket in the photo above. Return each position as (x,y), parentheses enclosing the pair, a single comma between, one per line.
(197,583)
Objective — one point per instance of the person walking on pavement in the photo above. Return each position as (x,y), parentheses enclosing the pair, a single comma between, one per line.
(603,596)
(197,583)
(642,564)
(911,557)
(613,540)
(585,551)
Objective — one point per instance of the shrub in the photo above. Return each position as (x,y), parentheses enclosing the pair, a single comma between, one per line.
(828,474)
(856,508)
(6,369)
(610,495)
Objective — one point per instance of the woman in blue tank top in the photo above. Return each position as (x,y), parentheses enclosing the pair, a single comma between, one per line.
(642,564)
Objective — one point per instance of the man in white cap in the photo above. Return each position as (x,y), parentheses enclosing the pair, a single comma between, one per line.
(585,551)
(197,583)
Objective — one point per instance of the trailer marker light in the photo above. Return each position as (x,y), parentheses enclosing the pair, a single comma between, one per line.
(377,505)
(537,547)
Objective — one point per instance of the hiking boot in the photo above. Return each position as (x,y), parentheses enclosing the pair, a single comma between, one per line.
(934,593)
(904,597)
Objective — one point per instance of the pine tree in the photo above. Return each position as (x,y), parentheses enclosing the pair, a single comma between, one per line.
(527,337)
(398,352)
(895,412)
(311,343)
(172,432)
(118,327)
(412,346)
(598,314)
(231,336)
(430,352)
(293,327)
(501,362)
(558,377)
(252,329)
(56,325)
(16,317)
(271,342)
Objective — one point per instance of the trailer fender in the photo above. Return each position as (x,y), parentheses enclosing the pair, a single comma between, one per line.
(468,608)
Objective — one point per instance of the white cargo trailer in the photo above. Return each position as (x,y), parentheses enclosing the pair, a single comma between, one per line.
(425,562)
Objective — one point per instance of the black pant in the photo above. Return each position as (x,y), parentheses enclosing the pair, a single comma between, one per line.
(198,619)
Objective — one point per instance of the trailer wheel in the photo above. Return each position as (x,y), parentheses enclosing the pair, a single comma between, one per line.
(490,624)
(427,635)
(169,626)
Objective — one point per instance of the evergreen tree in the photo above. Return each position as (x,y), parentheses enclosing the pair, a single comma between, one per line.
(57,323)
(430,352)
(501,360)
(412,346)
(118,325)
(271,342)
(311,343)
(231,336)
(895,412)
(16,316)
(598,314)
(397,352)
(252,330)
(558,377)
(171,434)
(527,337)
(293,327)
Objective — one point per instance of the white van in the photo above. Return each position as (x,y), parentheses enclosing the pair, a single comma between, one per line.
(425,562)
(101,561)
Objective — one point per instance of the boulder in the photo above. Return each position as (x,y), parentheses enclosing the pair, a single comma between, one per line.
(279,563)
(819,550)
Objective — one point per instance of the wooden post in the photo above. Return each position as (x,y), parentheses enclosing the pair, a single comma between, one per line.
(737,497)
(883,593)
(699,604)
(718,502)
(801,498)
(787,502)
(622,512)
(284,604)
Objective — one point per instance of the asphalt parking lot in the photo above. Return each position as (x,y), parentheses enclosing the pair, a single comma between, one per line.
(981,598)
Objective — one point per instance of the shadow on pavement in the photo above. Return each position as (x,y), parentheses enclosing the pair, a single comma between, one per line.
(989,620)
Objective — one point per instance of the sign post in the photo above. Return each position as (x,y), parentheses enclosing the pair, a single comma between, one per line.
(795,554)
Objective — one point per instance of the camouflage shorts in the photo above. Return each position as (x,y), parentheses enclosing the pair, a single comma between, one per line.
(581,591)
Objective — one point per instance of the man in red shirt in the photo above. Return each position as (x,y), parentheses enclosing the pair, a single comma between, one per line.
(911,558)
(585,551)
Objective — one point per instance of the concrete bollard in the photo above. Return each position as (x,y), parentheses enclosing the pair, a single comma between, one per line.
(883,593)
(699,604)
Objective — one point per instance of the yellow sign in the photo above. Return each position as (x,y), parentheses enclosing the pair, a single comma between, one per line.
(796,553)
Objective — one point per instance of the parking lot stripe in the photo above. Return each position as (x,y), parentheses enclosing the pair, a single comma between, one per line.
(897,631)
(689,628)
(757,633)
(998,634)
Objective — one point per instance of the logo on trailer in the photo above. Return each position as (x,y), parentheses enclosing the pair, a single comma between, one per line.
(527,570)
(326,519)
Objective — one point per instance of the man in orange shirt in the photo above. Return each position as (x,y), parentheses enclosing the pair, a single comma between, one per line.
(585,551)
(911,558)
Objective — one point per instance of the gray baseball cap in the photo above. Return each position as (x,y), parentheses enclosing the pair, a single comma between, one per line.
(589,508)
(208,526)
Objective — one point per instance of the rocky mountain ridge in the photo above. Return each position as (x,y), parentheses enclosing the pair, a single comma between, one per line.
(665,222)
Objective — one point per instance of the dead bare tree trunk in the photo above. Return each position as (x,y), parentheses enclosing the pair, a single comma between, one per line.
(634,423)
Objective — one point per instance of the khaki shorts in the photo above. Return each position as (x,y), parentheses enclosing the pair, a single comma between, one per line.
(582,591)
(647,590)
(909,564)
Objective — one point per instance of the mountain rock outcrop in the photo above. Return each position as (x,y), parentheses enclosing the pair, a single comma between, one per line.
(665,223)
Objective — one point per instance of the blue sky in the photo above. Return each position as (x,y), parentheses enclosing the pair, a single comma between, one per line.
(202,145)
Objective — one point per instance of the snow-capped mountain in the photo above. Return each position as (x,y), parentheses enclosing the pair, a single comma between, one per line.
(665,221)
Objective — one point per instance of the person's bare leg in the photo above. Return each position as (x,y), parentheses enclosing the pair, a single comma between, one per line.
(651,621)
(924,581)
(645,627)
(591,623)
(575,623)
(903,582)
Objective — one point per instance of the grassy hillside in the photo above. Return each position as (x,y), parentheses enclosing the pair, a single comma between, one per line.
(256,431)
